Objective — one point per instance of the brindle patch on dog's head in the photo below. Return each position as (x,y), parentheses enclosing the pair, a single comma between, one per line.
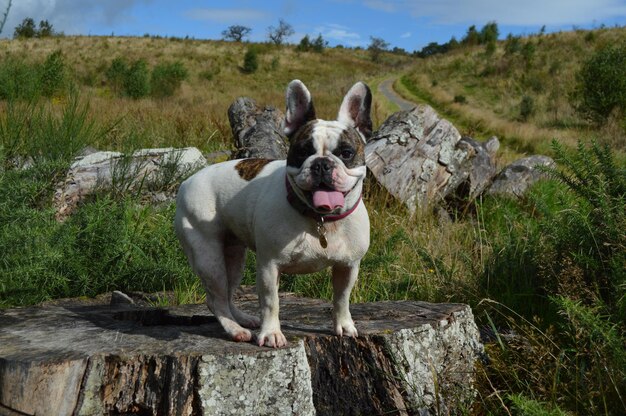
(248,169)
(351,140)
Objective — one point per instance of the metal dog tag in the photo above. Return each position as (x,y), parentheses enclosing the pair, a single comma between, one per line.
(321,232)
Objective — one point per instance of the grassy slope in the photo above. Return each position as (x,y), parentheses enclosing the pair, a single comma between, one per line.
(196,115)
(544,69)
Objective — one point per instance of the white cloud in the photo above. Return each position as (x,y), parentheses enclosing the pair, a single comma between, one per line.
(341,34)
(405,35)
(226,15)
(69,15)
(508,12)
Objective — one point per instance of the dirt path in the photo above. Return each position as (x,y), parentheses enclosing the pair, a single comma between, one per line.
(386,88)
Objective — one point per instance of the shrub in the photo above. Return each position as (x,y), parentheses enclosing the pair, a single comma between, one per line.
(588,239)
(167,77)
(19,80)
(137,80)
(53,74)
(601,84)
(527,107)
(460,99)
(250,61)
(116,73)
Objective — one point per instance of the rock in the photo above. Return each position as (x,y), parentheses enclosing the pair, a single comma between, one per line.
(421,159)
(517,177)
(148,169)
(257,132)
(410,358)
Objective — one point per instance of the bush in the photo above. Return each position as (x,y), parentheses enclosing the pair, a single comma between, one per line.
(601,84)
(250,61)
(116,74)
(460,99)
(53,74)
(19,80)
(527,107)
(137,80)
(167,77)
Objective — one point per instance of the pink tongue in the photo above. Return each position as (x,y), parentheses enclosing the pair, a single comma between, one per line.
(327,200)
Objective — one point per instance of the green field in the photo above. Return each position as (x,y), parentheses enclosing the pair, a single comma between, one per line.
(546,273)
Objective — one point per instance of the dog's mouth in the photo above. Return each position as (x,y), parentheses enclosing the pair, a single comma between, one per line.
(326,199)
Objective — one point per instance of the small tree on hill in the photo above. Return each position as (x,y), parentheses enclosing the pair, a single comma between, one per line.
(45,29)
(304,45)
(472,37)
(489,33)
(236,33)
(26,29)
(376,47)
(319,44)
(278,35)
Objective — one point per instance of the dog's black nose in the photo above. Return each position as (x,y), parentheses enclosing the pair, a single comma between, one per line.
(322,165)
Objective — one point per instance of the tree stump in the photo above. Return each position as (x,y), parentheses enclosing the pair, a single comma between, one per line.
(257,132)
(68,359)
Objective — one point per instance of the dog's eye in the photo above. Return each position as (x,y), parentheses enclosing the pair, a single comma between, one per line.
(346,154)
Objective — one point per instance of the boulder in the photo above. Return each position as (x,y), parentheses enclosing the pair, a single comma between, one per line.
(152,170)
(421,159)
(122,358)
(257,132)
(517,177)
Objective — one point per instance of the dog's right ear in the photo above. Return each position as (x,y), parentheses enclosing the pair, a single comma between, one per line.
(300,108)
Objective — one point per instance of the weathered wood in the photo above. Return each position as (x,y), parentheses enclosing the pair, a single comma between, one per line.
(421,159)
(67,359)
(257,132)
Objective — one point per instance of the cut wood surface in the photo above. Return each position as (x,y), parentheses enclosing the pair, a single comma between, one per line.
(97,359)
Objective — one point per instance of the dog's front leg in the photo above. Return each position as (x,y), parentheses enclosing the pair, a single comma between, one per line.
(267,288)
(344,278)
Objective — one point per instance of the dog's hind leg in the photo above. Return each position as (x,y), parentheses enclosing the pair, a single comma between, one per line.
(208,262)
(235,258)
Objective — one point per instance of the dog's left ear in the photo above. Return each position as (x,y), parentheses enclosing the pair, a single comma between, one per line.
(300,108)
(355,109)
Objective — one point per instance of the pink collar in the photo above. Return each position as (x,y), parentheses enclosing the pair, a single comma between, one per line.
(307,211)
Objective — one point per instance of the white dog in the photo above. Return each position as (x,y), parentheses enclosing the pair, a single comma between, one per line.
(301,215)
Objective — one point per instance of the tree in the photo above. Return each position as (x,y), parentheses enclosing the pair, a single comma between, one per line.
(376,48)
(279,34)
(319,44)
(236,33)
(304,45)
(489,33)
(472,37)
(26,29)
(45,29)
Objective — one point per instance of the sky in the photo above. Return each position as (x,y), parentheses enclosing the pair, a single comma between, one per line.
(407,24)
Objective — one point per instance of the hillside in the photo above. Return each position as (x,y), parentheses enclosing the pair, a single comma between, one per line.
(520,91)
(196,114)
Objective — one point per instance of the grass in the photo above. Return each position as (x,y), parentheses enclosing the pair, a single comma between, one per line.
(544,272)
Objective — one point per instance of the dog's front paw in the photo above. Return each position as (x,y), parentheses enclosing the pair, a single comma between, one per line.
(271,338)
(346,328)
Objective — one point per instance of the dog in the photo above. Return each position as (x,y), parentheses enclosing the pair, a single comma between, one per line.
(300,215)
